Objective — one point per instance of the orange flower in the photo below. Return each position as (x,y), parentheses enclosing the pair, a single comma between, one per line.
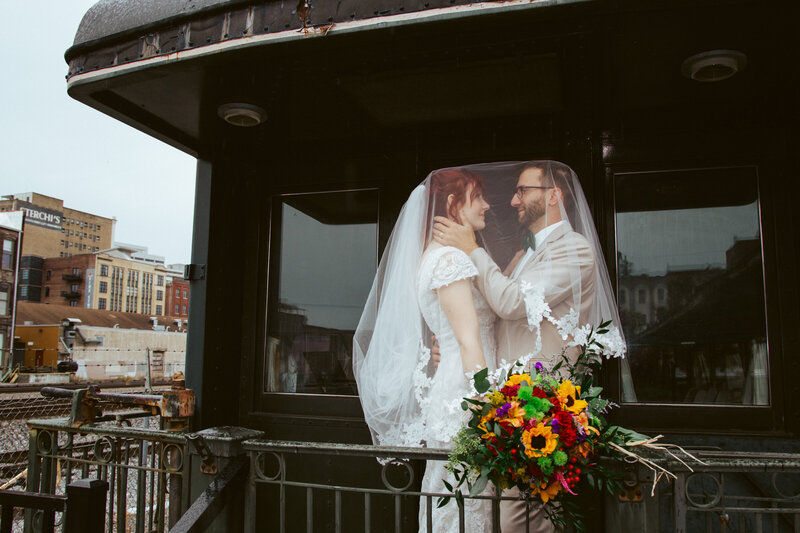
(546,492)
(515,415)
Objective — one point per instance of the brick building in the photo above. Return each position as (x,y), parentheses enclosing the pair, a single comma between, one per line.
(10,238)
(52,230)
(177,300)
(112,280)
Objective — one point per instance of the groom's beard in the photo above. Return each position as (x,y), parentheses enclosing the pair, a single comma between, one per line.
(532,212)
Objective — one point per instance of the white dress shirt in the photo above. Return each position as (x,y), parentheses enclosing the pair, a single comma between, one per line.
(539,238)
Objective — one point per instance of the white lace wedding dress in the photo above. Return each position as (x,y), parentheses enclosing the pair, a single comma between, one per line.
(441,408)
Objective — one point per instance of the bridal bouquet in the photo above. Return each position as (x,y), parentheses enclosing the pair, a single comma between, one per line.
(543,432)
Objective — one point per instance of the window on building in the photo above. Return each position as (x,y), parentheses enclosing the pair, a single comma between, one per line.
(315,305)
(104,270)
(185,293)
(696,236)
(73,303)
(642,296)
(177,293)
(176,309)
(25,274)
(103,287)
(4,292)
(9,249)
(160,281)
(47,275)
(2,340)
(158,309)
(183,309)
(101,303)
(60,254)
(159,295)
(47,291)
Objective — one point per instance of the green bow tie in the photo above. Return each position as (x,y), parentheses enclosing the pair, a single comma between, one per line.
(529,241)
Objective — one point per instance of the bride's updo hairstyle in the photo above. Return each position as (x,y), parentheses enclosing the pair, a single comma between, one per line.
(455,181)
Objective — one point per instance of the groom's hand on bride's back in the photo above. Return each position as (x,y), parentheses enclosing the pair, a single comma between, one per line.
(450,233)
(436,355)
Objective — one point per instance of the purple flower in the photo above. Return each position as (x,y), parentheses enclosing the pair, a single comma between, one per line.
(556,426)
(539,367)
(503,411)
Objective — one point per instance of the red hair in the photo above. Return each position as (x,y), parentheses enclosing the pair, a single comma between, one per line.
(455,181)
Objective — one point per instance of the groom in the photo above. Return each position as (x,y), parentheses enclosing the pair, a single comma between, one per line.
(555,260)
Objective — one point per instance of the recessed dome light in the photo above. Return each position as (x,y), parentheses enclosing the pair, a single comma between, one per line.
(715,65)
(243,115)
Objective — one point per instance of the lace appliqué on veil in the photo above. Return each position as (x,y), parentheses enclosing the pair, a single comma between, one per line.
(537,310)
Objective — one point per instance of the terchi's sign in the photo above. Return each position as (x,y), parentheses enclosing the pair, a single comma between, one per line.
(39,216)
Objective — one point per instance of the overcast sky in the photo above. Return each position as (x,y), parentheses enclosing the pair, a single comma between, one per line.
(54,145)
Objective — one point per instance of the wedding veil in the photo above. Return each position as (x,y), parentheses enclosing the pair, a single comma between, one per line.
(391,343)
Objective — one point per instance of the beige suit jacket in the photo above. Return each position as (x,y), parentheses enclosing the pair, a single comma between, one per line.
(563,258)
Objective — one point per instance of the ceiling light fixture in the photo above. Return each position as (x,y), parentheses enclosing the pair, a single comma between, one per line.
(714,65)
(243,115)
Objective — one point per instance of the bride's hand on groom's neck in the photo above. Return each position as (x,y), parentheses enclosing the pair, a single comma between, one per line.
(450,233)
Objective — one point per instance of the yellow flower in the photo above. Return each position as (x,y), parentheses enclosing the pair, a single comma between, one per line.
(516,379)
(546,492)
(482,426)
(496,398)
(568,396)
(539,441)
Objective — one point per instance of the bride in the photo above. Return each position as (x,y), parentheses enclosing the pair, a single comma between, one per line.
(424,288)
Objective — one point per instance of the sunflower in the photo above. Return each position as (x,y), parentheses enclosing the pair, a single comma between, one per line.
(539,441)
(516,379)
(568,397)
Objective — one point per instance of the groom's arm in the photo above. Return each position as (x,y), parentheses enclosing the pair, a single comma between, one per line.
(503,294)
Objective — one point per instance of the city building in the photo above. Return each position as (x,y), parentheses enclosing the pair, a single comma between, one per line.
(117,279)
(10,237)
(101,344)
(53,230)
(177,303)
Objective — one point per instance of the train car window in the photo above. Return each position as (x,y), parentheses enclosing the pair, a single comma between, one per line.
(689,247)
(324,249)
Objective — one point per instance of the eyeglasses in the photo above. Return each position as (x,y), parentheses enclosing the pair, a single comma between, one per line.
(522,188)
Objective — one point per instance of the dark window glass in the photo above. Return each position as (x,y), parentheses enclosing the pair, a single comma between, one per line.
(692,240)
(101,303)
(324,247)
(7,260)
(103,286)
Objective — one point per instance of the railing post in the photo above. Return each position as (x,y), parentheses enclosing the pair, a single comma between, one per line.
(679,503)
(86,506)
(211,451)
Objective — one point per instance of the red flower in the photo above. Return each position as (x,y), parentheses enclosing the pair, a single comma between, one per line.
(538,393)
(566,429)
(510,391)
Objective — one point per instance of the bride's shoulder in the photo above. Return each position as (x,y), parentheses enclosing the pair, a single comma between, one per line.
(442,265)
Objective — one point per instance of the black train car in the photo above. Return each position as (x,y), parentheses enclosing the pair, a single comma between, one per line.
(312,122)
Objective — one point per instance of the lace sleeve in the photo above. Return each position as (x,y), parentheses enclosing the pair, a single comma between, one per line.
(453,265)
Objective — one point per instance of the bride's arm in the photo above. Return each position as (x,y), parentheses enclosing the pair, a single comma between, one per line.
(458,307)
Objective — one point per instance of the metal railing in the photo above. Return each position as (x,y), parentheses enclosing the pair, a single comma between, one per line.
(741,492)
(146,469)
(303,486)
